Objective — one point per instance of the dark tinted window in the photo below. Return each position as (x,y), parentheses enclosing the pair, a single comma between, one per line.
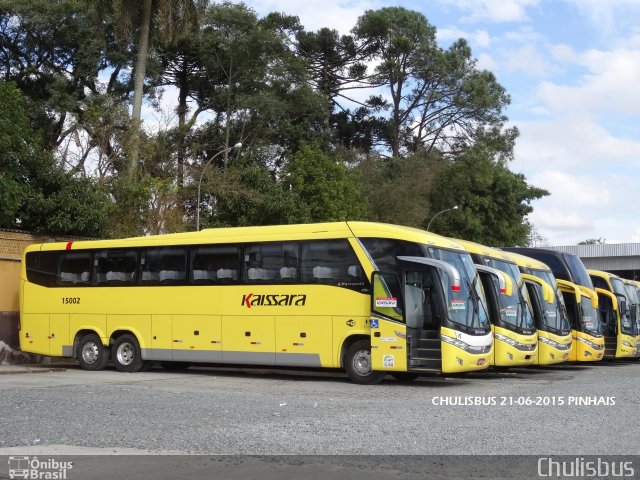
(599,282)
(384,252)
(271,262)
(42,268)
(213,265)
(75,268)
(331,262)
(116,267)
(163,266)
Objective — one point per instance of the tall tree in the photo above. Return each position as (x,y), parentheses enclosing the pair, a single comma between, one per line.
(492,201)
(175,19)
(35,194)
(438,99)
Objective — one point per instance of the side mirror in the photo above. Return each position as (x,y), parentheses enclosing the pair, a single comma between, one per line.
(622,303)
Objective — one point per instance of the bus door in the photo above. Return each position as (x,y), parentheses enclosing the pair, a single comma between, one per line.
(405,332)
(609,319)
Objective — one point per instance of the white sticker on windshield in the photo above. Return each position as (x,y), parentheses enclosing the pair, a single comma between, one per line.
(386,302)
(458,305)
(510,312)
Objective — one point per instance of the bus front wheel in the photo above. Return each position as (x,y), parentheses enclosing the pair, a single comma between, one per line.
(357,363)
(92,355)
(127,356)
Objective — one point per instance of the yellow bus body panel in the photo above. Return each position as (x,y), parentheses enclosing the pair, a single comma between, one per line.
(456,360)
(581,352)
(550,355)
(506,355)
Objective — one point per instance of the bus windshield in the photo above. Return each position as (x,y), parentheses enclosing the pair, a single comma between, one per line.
(555,314)
(466,307)
(634,307)
(515,310)
(627,322)
(578,271)
(589,317)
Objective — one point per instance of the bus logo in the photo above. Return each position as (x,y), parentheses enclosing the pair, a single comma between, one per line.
(250,300)
(18,467)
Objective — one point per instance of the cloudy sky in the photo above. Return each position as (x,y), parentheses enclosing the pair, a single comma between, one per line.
(572,68)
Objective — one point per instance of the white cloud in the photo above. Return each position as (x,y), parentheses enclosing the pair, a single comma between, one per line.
(527,59)
(606,15)
(498,11)
(569,143)
(479,38)
(608,85)
(340,15)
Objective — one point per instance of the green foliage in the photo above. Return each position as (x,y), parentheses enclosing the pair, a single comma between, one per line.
(397,190)
(438,98)
(35,194)
(324,189)
(398,157)
(493,201)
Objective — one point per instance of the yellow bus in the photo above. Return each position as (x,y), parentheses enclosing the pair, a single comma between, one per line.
(555,340)
(366,297)
(615,315)
(515,335)
(633,287)
(579,297)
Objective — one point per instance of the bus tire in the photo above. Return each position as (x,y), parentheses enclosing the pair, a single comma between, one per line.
(127,356)
(357,363)
(92,355)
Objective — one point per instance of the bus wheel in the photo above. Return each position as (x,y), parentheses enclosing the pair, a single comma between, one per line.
(357,363)
(127,356)
(92,355)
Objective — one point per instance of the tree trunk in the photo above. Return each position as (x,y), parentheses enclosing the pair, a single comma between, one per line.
(141,63)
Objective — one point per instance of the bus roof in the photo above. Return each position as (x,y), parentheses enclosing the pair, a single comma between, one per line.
(478,248)
(528,262)
(307,231)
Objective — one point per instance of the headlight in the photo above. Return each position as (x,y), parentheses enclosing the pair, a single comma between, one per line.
(589,343)
(627,344)
(514,343)
(465,346)
(554,344)
(505,339)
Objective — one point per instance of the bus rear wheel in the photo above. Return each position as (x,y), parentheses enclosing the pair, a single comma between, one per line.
(92,355)
(357,363)
(127,356)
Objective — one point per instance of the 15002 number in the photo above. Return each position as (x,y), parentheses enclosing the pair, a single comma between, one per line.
(70,300)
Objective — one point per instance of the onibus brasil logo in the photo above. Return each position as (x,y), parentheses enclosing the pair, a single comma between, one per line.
(36,469)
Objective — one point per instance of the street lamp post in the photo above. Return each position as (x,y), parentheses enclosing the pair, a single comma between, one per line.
(237,145)
(455,207)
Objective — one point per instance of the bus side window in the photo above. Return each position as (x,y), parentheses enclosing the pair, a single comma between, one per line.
(163,266)
(215,264)
(331,262)
(75,269)
(272,262)
(115,267)
(42,268)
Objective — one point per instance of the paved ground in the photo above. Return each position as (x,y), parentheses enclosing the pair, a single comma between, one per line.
(591,410)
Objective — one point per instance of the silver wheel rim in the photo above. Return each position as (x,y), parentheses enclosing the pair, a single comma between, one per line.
(125,353)
(90,353)
(362,362)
